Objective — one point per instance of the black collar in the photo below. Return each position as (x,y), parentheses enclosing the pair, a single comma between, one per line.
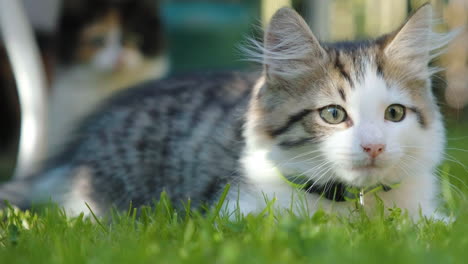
(339,192)
(336,191)
(333,192)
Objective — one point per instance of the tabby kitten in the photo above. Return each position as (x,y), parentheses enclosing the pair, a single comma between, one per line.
(322,121)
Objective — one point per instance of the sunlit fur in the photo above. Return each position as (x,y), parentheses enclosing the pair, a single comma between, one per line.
(364,78)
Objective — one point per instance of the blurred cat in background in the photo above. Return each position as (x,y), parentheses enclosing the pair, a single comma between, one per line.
(103,46)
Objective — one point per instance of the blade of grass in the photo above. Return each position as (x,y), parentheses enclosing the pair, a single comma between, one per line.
(96,219)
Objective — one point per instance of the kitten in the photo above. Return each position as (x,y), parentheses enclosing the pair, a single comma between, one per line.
(103,47)
(322,121)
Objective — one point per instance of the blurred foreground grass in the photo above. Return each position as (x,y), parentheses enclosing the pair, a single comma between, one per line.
(162,235)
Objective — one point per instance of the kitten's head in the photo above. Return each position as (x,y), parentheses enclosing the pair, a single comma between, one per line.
(361,113)
(108,34)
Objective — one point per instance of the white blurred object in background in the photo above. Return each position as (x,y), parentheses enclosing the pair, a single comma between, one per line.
(23,54)
(43,14)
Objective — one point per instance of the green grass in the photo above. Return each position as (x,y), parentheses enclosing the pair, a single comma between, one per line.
(159,234)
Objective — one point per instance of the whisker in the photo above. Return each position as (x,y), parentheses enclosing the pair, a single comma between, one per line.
(453,187)
(321,176)
(441,172)
(299,156)
(457,138)
(317,167)
(457,149)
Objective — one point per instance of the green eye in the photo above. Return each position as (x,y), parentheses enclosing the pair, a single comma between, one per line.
(395,113)
(333,114)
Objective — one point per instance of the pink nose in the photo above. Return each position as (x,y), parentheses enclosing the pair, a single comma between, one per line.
(373,149)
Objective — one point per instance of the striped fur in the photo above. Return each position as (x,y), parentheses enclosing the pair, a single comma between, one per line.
(181,135)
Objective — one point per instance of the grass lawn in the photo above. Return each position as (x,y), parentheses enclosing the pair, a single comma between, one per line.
(162,235)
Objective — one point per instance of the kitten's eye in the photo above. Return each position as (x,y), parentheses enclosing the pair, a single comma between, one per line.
(395,113)
(333,114)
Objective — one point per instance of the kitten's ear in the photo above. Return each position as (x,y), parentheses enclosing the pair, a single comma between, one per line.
(412,42)
(415,44)
(290,48)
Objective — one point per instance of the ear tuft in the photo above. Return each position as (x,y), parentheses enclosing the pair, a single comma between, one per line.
(289,48)
(415,43)
(411,41)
